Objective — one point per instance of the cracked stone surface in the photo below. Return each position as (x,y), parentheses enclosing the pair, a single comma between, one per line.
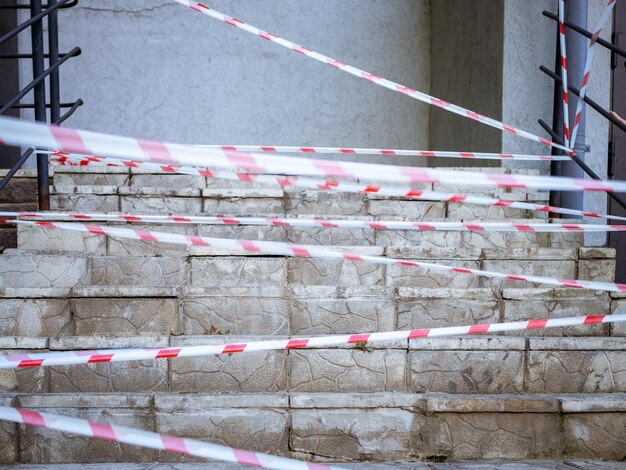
(458,211)
(356,434)
(145,180)
(139,271)
(33,270)
(240,206)
(334,316)
(125,317)
(413,210)
(160,205)
(337,370)
(446,311)
(244,232)
(41,445)
(238,271)
(35,317)
(261,430)
(126,247)
(466,372)
(28,380)
(330,272)
(137,376)
(316,202)
(39,238)
(557,305)
(408,276)
(476,436)
(259,372)
(576,371)
(237,315)
(560,269)
(330,236)
(597,269)
(85,202)
(89,179)
(595,436)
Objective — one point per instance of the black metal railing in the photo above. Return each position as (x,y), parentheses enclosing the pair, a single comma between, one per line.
(38,13)
(556,130)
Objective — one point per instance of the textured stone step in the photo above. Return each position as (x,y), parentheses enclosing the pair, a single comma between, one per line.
(498,364)
(295,310)
(411,465)
(41,238)
(337,427)
(272,201)
(210,267)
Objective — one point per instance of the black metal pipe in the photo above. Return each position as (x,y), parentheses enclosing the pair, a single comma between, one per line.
(24,6)
(69,112)
(43,184)
(26,155)
(31,105)
(53,49)
(38,80)
(33,19)
(606,114)
(16,166)
(27,56)
(612,47)
(556,138)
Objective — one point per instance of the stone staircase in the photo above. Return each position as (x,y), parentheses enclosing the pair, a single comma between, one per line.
(554,394)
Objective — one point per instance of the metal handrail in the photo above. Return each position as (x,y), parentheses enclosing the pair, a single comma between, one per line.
(24,91)
(26,155)
(37,85)
(34,19)
(612,47)
(606,114)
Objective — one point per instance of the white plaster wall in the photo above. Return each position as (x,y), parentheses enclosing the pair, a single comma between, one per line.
(155,69)
(529,41)
(598,127)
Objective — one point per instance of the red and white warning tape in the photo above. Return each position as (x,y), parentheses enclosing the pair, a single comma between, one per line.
(62,158)
(16,132)
(307,251)
(388,152)
(322,223)
(152,440)
(606,14)
(14,361)
(564,72)
(418,95)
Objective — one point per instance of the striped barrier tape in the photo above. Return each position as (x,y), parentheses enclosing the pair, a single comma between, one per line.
(306,251)
(606,14)
(565,90)
(153,440)
(322,223)
(418,95)
(62,158)
(63,358)
(16,132)
(387,152)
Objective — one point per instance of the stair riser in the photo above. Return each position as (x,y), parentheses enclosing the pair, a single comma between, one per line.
(265,271)
(506,370)
(323,205)
(36,238)
(422,428)
(286,313)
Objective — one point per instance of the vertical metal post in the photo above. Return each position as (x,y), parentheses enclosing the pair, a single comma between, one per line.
(556,168)
(53,51)
(575,12)
(43,195)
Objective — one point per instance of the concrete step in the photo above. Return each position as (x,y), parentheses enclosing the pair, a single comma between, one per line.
(491,364)
(41,238)
(254,201)
(335,427)
(210,267)
(412,465)
(289,310)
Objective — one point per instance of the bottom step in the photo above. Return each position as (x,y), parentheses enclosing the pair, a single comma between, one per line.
(480,465)
(332,427)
